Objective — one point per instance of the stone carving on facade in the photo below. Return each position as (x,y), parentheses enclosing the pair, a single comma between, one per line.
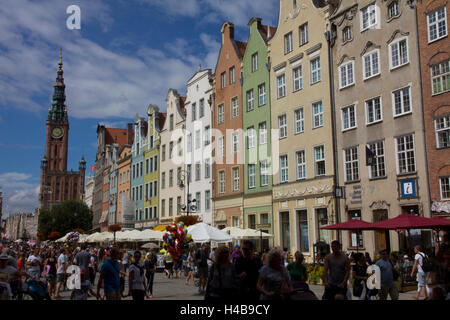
(307,190)
(348,15)
(345,57)
(395,34)
(296,13)
(440,207)
(369,45)
(380,205)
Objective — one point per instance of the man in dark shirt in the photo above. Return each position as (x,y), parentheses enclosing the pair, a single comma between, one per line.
(202,264)
(83,258)
(247,269)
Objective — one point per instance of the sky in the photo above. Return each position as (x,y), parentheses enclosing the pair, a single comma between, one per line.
(126,55)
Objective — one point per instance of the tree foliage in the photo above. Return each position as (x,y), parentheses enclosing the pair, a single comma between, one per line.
(188,220)
(65,217)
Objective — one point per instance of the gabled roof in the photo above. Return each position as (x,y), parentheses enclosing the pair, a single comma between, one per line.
(264,33)
(112,133)
(241,47)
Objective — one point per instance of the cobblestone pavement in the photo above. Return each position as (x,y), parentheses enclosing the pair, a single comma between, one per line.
(175,289)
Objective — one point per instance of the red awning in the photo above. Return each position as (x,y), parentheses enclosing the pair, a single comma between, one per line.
(410,221)
(353,224)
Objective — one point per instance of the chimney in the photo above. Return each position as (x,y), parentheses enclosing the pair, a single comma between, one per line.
(130,134)
(227,31)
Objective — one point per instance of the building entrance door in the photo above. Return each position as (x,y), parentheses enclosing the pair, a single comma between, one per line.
(381,236)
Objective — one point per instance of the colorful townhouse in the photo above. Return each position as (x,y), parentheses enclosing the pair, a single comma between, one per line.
(151,174)
(124,204)
(379,119)
(228,153)
(137,168)
(302,146)
(257,126)
(198,145)
(113,184)
(172,158)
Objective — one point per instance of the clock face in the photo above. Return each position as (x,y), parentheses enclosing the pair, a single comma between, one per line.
(57,132)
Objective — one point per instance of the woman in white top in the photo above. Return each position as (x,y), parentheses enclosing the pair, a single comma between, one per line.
(136,276)
(421,274)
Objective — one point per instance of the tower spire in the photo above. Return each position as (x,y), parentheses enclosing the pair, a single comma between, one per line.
(58,108)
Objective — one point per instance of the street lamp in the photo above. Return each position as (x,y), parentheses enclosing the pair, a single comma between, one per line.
(185,176)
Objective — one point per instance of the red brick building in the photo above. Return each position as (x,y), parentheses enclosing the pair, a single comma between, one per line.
(435,69)
(57,183)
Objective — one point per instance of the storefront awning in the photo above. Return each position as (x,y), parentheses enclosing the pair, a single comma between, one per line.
(103,217)
(161,227)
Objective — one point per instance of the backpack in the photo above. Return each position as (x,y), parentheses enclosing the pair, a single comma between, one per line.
(426,264)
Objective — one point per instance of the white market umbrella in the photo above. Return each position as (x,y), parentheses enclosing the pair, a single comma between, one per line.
(91,237)
(82,238)
(150,235)
(235,232)
(121,236)
(63,238)
(104,236)
(133,235)
(201,232)
(254,234)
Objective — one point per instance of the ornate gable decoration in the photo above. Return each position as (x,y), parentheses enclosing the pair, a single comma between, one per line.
(344,58)
(380,205)
(394,35)
(348,15)
(369,45)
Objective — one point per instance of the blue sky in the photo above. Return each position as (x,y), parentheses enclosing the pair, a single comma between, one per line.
(127,55)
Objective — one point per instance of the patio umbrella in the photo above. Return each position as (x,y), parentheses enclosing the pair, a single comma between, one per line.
(150,246)
(255,234)
(91,237)
(353,224)
(121,236)
(201,232)
(150,235)
(410,221)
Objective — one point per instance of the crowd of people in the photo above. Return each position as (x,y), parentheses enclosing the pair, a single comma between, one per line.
(219,273)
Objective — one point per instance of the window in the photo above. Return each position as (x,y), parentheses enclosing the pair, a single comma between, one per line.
(317,114)
(170,207)
(348,118)
(402,101)
(163,153)
(235,179)
(221,181)
(297,78)
(151,142)
(285,230)
(315,70)
(180,149)
(282,126)
(262,94)
(351,166)
(281,86)
(373,110)
(201,108)
(189,143)
(198,201)
(140,193)
(234,107)
(442,126)
(189,172)
(147,166)
(288,43)
(440,77)
(294,4)
(445,188)
(197,140)
(303,31)
(262,133)
(437,24)
(223,78)
(255,62)
(368,17)
(346,75)
(378,170)
(264,172)
(163,180)
(250,104)
(232,78)
(303,228)
(146,191)
(346,34)
(322,221)
(393,9)
(356,236)
(252,221)
(155,188)
(207,168)
(319,159)
(197,171)
(141,165)
(170,150)
(171,122)
(207,137)
(251,137)
(235,221)
(284,176)
(194,112)
(207,200)
(221,147)
(220,114)
(251,176)
(151,164)
(235,143)
(301,164)
(299,121)
(406,162)
(398,53)
(150,194)
(170,178)
(371,64)
(178,176)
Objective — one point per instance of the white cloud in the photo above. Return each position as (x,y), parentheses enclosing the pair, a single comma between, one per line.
(20,194)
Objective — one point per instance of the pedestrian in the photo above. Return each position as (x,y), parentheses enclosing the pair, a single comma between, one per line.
(222,281)
(422,275)
(388,285)
(61,267)
(368,259)
(168,265)
(285,257)
(34,263)
(297,271)
(83,258)
(247,269)
(109,277)
(125,260)
(92,266)
(136,278)
(190,266)
(237,253)
(360,277)
(274,282)
(149,265)
(202,264)
(85,288)
(50,264)
(336,273)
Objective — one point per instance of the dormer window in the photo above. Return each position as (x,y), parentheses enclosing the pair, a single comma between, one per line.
(393,10)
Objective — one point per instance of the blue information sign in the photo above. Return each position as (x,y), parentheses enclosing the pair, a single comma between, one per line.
(408,188)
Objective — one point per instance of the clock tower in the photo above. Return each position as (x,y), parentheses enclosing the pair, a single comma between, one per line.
(58,184)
